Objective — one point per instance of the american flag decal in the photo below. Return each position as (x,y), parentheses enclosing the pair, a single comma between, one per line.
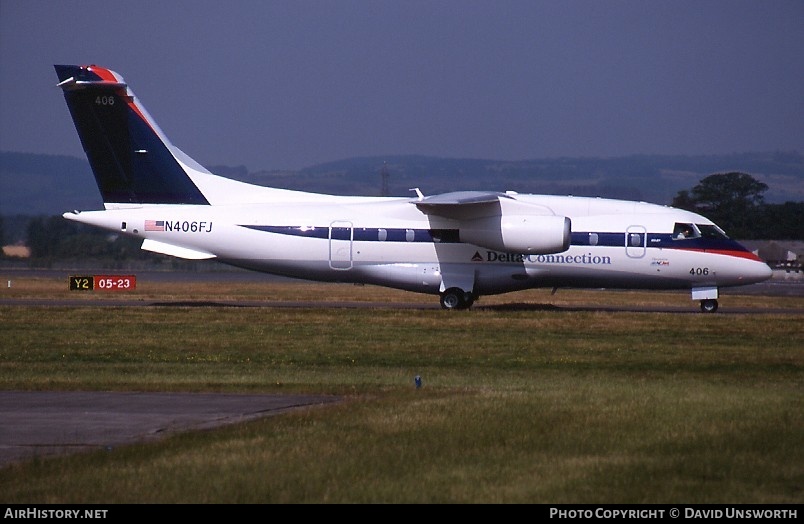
(154,225)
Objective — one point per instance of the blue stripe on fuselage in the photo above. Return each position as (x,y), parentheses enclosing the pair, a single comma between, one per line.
(365,234)
(451,236)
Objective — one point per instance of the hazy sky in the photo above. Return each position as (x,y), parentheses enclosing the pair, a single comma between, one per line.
(288,84)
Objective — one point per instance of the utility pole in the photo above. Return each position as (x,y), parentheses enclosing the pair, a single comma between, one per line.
(384,175)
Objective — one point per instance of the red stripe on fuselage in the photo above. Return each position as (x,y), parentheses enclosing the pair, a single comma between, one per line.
(727,252)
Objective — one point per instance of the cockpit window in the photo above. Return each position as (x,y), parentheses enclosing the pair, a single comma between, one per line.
(711,231)
(683,231)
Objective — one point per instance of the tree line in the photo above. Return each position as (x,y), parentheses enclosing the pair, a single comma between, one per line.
(734,201)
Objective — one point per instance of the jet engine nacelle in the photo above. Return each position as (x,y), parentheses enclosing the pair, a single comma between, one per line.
(532,234)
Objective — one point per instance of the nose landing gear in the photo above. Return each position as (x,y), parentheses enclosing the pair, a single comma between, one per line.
(708,297)
(709,305)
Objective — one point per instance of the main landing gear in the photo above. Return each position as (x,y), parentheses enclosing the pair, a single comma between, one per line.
(456,298)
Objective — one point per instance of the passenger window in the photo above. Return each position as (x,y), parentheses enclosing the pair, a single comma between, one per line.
(382,235)
(409,235)
(592,239)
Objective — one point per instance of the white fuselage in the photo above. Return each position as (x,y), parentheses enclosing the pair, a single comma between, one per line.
(387,241)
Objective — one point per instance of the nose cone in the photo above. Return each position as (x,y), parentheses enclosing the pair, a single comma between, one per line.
(755,272)
(749,268)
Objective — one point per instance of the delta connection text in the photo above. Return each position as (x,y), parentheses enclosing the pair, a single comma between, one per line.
(41,513)
(687,513)
(583,259)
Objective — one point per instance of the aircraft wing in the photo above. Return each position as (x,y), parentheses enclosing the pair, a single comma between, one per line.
(501,222)
(462,204)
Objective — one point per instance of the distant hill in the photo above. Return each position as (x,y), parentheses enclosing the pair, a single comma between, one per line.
(33,184)
(45,184)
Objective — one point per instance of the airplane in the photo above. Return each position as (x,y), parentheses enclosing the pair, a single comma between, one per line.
(460,245)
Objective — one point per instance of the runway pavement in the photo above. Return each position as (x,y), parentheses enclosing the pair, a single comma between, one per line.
(46,423)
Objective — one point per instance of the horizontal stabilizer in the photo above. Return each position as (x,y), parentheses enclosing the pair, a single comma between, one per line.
(175,251)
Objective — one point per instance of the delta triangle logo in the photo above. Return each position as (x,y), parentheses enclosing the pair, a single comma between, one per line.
(477,257)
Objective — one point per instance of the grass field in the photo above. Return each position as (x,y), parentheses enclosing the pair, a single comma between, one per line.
(543,405)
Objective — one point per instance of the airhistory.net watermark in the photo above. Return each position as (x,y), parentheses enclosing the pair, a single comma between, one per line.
(33,512)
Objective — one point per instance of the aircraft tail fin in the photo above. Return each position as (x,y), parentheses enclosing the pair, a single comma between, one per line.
(132,160)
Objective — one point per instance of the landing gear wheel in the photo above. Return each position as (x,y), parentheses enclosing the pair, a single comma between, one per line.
(456,298)
(468,300)
(709,305)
